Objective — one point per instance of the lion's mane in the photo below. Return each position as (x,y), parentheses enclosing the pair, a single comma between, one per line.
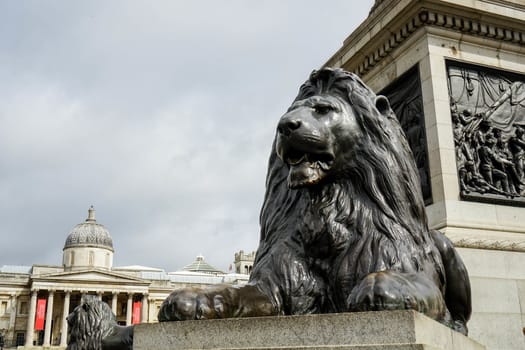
(89,323)
(372,212)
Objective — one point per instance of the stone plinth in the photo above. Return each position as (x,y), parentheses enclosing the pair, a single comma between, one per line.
(365,330)
(419,44)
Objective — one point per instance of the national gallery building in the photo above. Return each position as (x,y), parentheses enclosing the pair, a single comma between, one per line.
(35,300)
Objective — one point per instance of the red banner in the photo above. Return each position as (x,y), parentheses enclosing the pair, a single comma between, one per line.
(137,306)
(40,314)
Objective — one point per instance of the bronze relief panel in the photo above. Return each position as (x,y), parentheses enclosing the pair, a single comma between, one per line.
(488,120)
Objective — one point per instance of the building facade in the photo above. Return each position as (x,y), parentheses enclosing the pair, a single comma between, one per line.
(244,262)
(35,300)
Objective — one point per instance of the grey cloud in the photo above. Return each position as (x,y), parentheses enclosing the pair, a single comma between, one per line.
(161,114)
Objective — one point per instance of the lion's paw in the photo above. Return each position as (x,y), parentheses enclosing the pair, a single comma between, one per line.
(191,304)
(391,290)
(380,291)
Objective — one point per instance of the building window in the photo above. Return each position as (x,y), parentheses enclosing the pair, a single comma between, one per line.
(156,314)
(71,258)
(107,260)
(20,338)
(91,258)
(23,308)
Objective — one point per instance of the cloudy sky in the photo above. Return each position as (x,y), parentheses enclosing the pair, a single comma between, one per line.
(161,114)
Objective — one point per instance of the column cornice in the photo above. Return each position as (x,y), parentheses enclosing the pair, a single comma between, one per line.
(391,36)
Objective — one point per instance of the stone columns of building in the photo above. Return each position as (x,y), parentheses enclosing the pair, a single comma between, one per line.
(129,309)
(49,318)
(144,310)
(114,303)
(65,313)
(12,318)
(99,295)
(31,319)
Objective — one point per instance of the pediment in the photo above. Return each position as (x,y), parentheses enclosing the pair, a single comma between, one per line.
(91,276)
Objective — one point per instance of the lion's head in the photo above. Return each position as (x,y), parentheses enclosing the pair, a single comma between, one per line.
(334,126)
(89,322)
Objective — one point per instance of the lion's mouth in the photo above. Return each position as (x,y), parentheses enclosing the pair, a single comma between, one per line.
(323,160)
(307,169)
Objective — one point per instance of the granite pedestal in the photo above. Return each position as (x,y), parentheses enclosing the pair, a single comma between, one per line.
(365,331)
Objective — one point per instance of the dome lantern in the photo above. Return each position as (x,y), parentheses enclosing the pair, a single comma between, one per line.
(91,215)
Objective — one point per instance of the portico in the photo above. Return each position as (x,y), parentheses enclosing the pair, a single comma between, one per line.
(86,269)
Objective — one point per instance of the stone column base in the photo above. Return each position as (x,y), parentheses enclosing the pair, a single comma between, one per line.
(392,330)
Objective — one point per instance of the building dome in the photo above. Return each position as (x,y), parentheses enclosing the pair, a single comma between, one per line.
(89,233)
(88,246)
(201,266)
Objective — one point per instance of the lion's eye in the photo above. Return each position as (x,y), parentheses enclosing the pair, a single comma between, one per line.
(323,109)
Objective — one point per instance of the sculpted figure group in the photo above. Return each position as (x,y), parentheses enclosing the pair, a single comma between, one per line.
(488,163)
(343,224)
(488,118)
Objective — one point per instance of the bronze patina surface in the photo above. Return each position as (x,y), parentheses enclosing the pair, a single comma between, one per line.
(343,224)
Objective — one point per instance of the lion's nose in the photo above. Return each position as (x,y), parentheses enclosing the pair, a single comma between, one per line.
(287,125)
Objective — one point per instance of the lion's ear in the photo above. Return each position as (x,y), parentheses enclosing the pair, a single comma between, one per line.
(382,105)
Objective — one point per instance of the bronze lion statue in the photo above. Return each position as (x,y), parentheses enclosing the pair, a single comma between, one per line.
(343,224)
(93,326)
